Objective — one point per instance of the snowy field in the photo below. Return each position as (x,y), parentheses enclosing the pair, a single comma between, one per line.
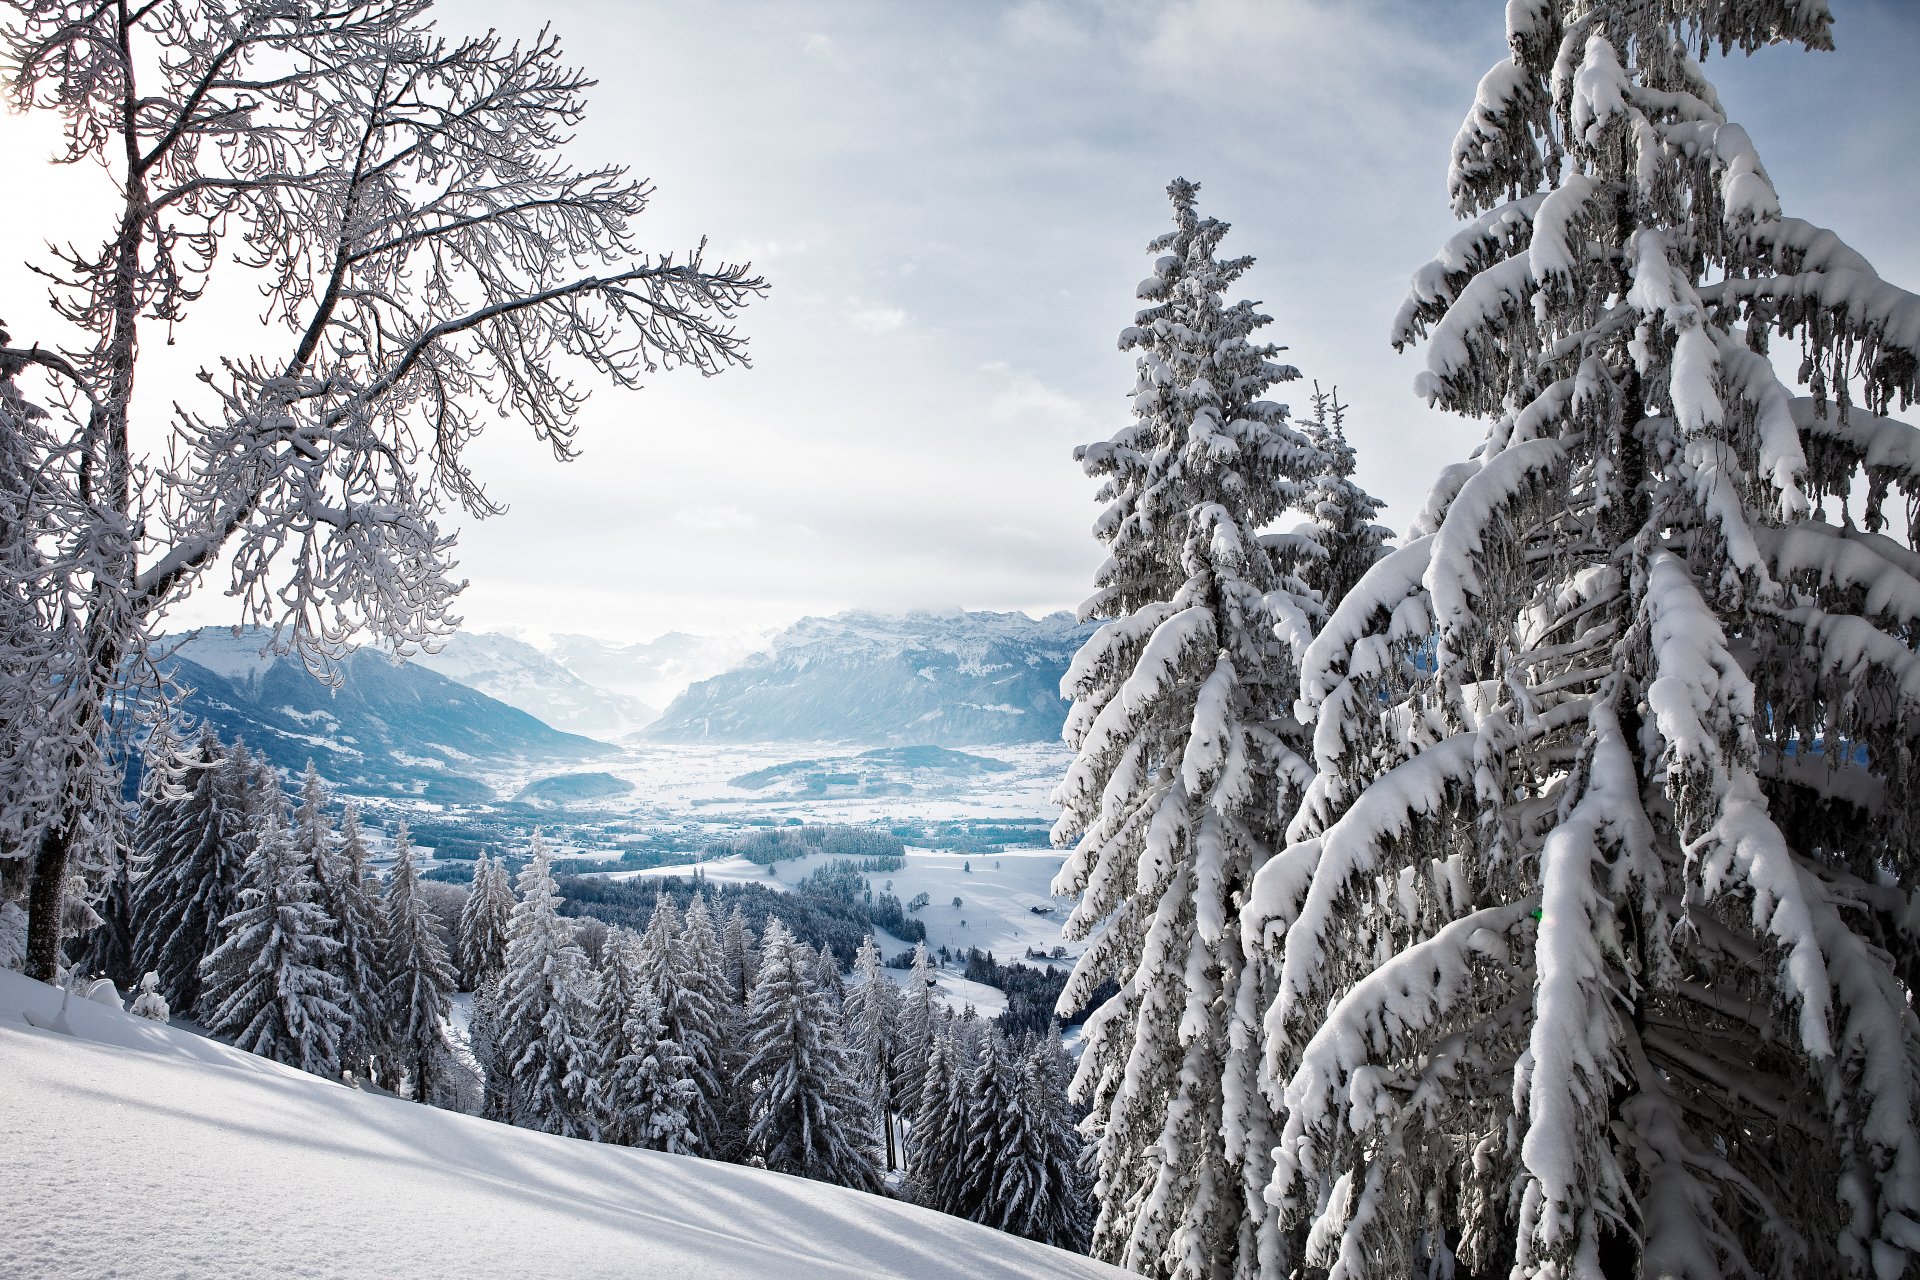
(682,781)
(137,1150)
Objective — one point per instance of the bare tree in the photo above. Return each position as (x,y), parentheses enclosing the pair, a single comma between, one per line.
(402,202)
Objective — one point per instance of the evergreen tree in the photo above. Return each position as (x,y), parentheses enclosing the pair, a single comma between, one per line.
(1346,540)
(189,842)
(1040,1188)
(484,920)
(703,1022)
(804,1120)
(418,977)
(914,1037)
(649,1093)
(1187,753)
(1587,941)
(826,977)
(110,946)
(742,964)
(990,1094)
(546,1014)
(351,897)
(870,1018)
(938,1137)
(266,986)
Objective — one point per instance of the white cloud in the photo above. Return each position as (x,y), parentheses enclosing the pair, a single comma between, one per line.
(1027,399)
(872,318)
(723,519)
(817,45)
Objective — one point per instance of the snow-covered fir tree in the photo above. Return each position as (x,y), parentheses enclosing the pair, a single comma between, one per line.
(914,1036)
(806,1118)
(338,863)
(706,1025)
(418,978)
(1341,516)
(827,977)
(481,950)
(1040,1188)
(188,843)
(267,985)
(743,968)
(647,1095)
(1592,941)
(869,1018)
(988,1090)
(1187,754)
(545,1014)
(937,1141)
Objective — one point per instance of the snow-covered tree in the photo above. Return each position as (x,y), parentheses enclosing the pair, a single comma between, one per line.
(1593,939)
(351,897)
(189,846)
(806,1117)
(648,1094)
(870,1018)
(484,920)
(937,1140)
(914,1037)
(1039,1186)
(743,966)
(149,1003)
(1187,754)
(545,1014)
(266,985)
(1341,527)
(333,155)
(989,1091)
(705,1024)
(418,978)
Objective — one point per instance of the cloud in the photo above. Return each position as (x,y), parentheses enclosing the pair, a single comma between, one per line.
(1026,399)
(817,45)
(873,318)
(723,519)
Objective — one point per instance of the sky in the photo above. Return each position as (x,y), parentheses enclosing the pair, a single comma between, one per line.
(951,203)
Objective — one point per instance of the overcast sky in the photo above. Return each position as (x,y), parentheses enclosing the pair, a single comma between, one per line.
(952,203)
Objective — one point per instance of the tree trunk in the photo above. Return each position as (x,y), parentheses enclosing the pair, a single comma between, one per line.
(44,901)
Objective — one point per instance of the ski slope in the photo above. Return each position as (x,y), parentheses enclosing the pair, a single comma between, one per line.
(133,1149)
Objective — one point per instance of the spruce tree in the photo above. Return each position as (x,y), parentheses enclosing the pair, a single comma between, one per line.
(545,1014)
(351,897)
(914,1036)
(190,842)
(1188,755)
(1346,539)
(1588,948)
(484,920)
(1040,1187)
(648,1092)
(938,1137)
(418,976)
(267,986)
(742,962)
(870,1018)
(990,1094)
(703,1022)
(805,1120)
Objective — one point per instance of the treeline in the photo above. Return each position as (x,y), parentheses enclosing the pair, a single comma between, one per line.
(713,1031)
(777,844)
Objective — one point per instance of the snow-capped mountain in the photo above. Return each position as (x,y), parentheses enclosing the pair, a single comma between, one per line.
(653,671)
(520,675)
(948,679)
(389,729)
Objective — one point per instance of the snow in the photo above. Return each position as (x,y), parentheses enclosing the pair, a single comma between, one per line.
(215,1162)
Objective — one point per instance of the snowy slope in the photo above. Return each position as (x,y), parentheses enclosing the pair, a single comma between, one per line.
(138,1150)
(516,673)
(947,679)
(390,730)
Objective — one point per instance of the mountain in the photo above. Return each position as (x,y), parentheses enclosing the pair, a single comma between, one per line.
(137,1149)
(654,671)
(943,679)
(519,675)
(389,729)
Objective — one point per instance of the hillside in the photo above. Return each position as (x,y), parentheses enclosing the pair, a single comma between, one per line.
(516,673)
(134,1149)
(944,679)
(387,730)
